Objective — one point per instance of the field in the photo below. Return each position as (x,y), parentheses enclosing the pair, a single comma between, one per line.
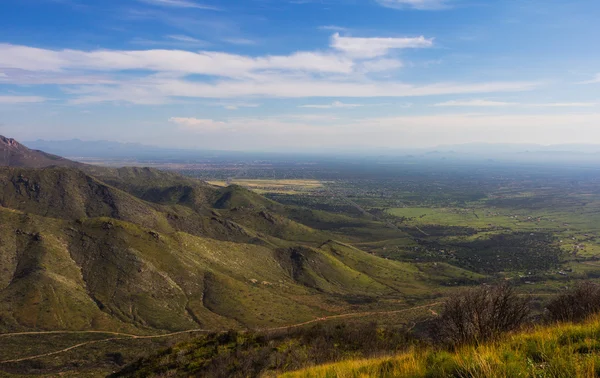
(290,187)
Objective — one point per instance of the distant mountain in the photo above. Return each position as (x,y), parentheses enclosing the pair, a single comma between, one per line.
(14,154)
(76,148)
(102,149)
(98,149)
(503,148)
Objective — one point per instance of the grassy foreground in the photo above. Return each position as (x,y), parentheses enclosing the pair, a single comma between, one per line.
(563,350)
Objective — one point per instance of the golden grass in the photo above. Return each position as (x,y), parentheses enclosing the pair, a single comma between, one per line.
(271,186)
(564,350)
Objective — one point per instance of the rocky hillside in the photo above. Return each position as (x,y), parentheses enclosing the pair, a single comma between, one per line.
(14,154)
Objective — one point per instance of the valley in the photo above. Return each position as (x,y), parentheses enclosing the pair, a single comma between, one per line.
(102,266)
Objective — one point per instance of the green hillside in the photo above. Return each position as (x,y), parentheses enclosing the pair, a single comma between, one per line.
(101,272)
(149,250)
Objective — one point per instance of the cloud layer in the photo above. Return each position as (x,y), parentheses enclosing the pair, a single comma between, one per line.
(351,67)
(392,132)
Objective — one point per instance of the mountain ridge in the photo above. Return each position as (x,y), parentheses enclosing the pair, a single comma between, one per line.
(13,153)
(138,249)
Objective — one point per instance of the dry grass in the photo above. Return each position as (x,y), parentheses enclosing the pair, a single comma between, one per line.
(564,350)
(274,186)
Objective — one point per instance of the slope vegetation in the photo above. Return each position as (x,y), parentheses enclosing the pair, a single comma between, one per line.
(85,247)
(563,350)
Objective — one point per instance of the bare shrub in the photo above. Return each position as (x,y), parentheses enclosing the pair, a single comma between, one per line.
(480,314)
(576,304)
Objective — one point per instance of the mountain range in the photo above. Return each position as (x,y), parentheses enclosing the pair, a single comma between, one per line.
(110,150)
(91,248)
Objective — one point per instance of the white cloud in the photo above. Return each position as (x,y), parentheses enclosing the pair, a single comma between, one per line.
(594,80)
(184,38)
(21,99)
(203,62)
(198,124)
(171,41)
(22,77)
(374,47)
(151,92)
(104,74)
(179,4)
(335,104)
(332,28)
(415,4)
(473,103)
(237,105)
(487,103)
(2,74)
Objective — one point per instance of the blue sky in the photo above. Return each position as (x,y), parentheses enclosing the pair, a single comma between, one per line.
(301,74)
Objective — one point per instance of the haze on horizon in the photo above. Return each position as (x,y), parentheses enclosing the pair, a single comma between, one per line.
(278,75)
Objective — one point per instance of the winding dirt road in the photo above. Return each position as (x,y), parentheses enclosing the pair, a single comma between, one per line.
(127,336)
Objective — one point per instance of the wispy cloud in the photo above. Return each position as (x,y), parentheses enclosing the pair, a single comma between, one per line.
(487,103)
(25,77)
(240,41)
(203,62)
(340,72)
(153,91)
(180,4)
(594,80)
(198,124)
(399,131)
(171,41)
(333,28)
(473,103)
(374,47)
(238,105)
(21,99)
(563,105)
(415,4)
(335,104)
(185,38)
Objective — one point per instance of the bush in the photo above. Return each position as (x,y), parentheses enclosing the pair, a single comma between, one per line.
(480,314)
(254,354)
(576,304)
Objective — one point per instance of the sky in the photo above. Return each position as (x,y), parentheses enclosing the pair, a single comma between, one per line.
(301,75)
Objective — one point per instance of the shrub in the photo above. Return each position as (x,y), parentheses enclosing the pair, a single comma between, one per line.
(480,314)
(576,304)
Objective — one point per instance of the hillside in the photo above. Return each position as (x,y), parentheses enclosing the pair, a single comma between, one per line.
(14,154)
(92,248)
(104,273)
(563,350)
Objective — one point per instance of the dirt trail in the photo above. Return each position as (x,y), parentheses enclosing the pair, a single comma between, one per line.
(127,336)
(64,332)
(63,350)
(350,315)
